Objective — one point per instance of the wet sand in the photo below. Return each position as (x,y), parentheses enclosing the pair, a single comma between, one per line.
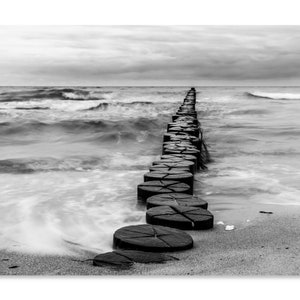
(267,245)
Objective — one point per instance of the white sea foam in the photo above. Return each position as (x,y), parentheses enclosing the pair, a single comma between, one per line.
(276,96)
(62,214)
(61,105)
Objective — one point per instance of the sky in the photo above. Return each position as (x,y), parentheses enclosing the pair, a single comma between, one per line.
(150,55)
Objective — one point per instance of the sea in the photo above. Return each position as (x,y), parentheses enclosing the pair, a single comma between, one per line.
(71,158)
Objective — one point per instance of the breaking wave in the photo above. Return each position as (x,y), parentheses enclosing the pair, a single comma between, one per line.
(126,128)
(104,105)
(248,112)
(274,96)
(27,166)
(48,93)
(32,108)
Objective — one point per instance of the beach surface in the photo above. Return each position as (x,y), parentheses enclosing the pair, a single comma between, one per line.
(266,245)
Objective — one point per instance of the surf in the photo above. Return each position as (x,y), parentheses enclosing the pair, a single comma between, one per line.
(274,96)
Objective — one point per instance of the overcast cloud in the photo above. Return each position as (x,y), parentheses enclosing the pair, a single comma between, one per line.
(148,55)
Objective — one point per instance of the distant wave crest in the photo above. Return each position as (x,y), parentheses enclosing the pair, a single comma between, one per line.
(64,93)
(275,96)
(32,108)
(48,93)
(104,105)
(83,126)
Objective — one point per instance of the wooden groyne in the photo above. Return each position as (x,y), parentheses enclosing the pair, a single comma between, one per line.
(167,192)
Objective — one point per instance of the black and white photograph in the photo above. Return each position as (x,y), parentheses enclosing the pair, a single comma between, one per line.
(149,150)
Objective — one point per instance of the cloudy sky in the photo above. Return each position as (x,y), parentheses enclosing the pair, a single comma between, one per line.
(148,55)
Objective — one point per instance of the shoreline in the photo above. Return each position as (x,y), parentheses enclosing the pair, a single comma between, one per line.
(267,246)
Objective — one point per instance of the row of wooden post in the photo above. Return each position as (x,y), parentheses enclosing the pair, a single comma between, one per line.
(168,193)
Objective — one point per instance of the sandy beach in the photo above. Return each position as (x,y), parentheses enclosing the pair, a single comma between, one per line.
(267,245)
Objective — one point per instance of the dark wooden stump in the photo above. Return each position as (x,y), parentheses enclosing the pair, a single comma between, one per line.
(192,131)
(163,168)
(178,164)
(125,258)
(170,160)
(183,156)
(185,177)
(151,188)
(181,217)
(152,238)
(193,152)
(174,199)
(178,118)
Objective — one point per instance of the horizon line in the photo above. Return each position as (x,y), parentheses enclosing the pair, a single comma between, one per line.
(149,85)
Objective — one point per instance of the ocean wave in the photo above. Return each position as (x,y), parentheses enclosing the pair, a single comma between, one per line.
(86,105)
(140,102)
(32,108)
(79,163)
(42,104)
(82,126)
(48,93)
(27,166)
(274,96)
(105,105)
(248,112)
(100,106)
(64,93)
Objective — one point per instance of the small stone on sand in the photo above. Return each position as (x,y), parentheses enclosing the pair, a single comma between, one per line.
(229,227)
